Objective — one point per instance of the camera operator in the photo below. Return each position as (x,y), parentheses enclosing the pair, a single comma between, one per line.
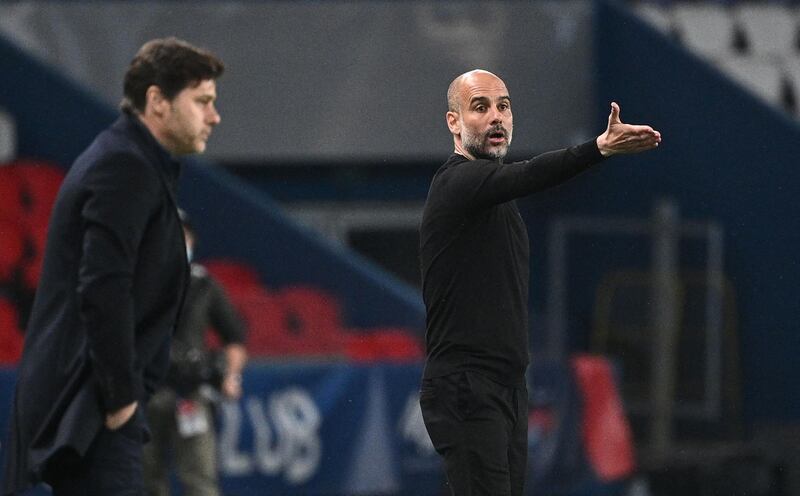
(180,413)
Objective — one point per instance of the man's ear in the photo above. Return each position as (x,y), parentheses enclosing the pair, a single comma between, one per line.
(155,101)
(453,122)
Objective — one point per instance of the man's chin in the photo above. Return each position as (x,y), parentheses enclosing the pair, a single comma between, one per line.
(495,154)
(199,147)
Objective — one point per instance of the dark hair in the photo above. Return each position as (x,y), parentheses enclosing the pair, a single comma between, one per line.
(172,65)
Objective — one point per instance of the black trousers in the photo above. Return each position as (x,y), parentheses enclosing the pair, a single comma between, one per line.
(112,465)
(480,428)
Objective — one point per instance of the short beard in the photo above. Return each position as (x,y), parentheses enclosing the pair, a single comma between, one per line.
(478,146)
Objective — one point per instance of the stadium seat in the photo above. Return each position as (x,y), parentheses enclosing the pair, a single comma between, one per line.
(12,249)
(705,28)
(771,30)
(315,307)
(11,206)
(276,330)
(265,322)
(791,71)
(315,313)
(36,239)
(383,345)
(607,436)
(758,75)
(8,137)
(40,181)
(236,277)
(10,335)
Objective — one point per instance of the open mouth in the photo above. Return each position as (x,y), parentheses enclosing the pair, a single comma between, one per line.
(497,137)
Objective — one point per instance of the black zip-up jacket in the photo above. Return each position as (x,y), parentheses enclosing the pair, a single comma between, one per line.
(474,259)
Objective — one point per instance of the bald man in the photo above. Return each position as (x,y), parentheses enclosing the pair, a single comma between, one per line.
(474,257)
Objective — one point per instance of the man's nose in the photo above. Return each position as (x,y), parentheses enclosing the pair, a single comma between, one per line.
(496,115)
(214,117)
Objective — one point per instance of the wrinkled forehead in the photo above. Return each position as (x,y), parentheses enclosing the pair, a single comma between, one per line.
(482,84)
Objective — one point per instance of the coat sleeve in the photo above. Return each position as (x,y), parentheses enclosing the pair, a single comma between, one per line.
(480,184)
(122,193)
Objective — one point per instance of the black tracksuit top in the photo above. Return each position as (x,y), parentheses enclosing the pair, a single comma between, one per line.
(474,259)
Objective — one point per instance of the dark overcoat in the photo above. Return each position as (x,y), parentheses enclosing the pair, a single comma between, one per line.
(112,286)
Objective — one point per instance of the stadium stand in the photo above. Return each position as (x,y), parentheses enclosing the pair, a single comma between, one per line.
(395,345)
(293,321)
(755,44)
(27,191)
(237,277)
(791,72)
(760,76)
(705,28)
(770,30)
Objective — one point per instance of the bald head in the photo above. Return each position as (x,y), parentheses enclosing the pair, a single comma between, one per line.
(455,92)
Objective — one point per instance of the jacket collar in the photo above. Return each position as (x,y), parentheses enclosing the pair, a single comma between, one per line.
(168,165)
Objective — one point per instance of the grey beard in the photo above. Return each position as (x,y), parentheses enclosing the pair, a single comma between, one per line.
(477,150)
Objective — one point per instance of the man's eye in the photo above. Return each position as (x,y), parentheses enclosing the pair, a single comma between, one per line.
(480,108)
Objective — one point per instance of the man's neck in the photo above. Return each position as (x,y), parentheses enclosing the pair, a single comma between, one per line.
(155,130)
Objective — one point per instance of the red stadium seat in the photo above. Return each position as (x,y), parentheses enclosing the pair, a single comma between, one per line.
(10,336)
(12,248)
(606,433)
(384,345)
(314,315)
(277,329)
(28,189)
(32,266)
(40,181)
(236,277)
(11,205)
(269,333)
(265,321)
(315,306)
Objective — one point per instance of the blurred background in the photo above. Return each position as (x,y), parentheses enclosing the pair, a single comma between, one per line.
(664,295)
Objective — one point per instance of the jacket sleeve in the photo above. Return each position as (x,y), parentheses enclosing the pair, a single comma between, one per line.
(122,193)
(480,184)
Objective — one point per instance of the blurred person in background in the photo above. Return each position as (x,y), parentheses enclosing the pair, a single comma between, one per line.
(180,413)
(113,281)
(474,259)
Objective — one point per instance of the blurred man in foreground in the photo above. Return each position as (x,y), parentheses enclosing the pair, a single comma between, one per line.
(112,285)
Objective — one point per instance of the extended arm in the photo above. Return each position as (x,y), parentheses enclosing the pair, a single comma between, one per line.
(480,184)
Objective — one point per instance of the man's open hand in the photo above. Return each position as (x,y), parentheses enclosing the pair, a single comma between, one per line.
(626,138)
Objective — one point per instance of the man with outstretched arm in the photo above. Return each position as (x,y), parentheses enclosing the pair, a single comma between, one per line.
(474,258)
